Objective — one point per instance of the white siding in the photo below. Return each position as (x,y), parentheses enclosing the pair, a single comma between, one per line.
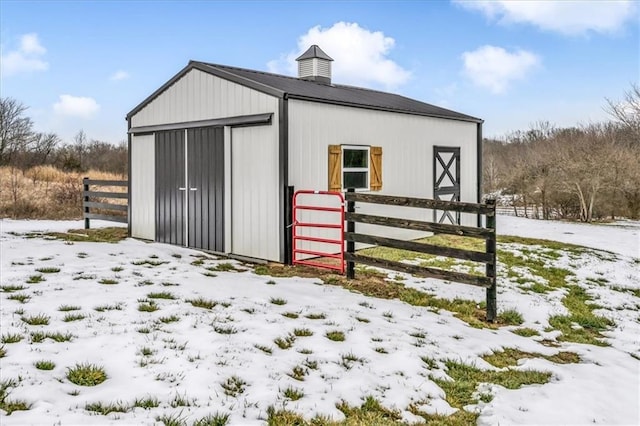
(252,226)
(143,187)
(255,225)
(407,143)
(201,96)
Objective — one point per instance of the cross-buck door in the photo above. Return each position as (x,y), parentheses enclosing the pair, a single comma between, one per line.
(190,187)
(446,181)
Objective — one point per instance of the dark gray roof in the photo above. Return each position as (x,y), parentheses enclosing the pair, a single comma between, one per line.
(314,52)
(295,88)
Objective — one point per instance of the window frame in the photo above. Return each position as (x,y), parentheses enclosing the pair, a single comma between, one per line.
(367,169)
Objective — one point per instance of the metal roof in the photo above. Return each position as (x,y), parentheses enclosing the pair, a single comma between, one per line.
(314,52)
(294,88)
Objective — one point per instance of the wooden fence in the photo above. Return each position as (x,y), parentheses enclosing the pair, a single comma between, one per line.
(488,233)
(93,200)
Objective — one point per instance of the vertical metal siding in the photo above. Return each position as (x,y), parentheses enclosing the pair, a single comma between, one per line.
(142,179)
(170,176)
(201,96)
(407,142)
(255,229)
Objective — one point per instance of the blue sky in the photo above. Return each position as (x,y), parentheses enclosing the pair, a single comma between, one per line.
(85,64)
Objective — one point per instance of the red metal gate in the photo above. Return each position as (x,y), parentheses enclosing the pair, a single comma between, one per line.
(338,224)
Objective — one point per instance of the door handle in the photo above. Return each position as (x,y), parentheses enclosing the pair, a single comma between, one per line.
(182,189)
(193,189)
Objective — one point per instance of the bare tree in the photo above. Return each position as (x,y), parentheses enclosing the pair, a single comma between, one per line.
(15,129)
(627,111)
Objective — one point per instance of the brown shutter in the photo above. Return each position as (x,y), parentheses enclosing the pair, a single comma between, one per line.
(375,171)
(335,168)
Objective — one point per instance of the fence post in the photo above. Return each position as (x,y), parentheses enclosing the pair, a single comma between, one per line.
(351,246)
(492,304)
(288,223)
(85,200)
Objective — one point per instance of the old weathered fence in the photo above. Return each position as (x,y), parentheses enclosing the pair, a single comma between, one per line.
(488,233)
(88,203)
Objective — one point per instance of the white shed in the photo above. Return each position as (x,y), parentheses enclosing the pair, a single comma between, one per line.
(213,151)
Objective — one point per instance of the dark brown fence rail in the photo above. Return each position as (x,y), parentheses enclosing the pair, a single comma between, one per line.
(488,233)
(89,201)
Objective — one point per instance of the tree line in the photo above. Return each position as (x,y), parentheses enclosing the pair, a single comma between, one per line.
(21,147)
(586,172)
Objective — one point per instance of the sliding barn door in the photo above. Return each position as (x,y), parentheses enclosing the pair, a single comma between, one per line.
(446,181)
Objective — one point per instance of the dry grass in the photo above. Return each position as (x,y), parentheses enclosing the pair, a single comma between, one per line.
(45,192)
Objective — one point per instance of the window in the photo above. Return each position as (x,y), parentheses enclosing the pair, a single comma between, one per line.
(353,166)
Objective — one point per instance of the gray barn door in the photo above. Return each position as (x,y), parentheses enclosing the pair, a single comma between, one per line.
(190,187)
(446,181)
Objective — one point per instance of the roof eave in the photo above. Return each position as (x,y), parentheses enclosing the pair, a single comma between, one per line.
(378,108)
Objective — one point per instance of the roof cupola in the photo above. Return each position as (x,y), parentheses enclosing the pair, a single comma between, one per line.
(315,65)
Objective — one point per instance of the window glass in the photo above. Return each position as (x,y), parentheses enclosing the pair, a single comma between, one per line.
(356,180)
(355,158)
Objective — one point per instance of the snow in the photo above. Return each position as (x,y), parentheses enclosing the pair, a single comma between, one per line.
(191,359)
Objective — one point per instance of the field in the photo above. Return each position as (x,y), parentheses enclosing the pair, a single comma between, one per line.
(130,332)
(45,192)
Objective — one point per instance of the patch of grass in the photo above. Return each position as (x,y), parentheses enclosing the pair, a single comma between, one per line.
(318,316)
(3,351)
(169,319)
(270,282)
(67,308)
(525,332)
(35,279)
(380,350)
(217,419)
(82,276)
(285,342)
(181,401)
(292,393)
(459,418)
(465,379)
(20,297)
(278,301)
(509,357)
(148,263)
(203,303)
(224,330)
(362,319)
(45,365)
(161,295)
(12,288)
(298,373)
(302,332)
(581,325)
(40,319)
(369,413)
(290,315)
(225,267)
(48,270)
(39,336)
(86,374)
(108,281)
(310,364)
(510,317)
(105,409)
(13,405)
(335,335)
(263,348)
(146,403)
(98,235)
(233,386)
(73,317)
(634,291)
(11,338)
(149,306)
(348,359)
(171,419)
(117,269)
(103,308)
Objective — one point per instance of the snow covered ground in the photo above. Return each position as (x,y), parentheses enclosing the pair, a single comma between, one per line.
(181,353)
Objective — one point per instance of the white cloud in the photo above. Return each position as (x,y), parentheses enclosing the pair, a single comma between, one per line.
(119,75)
(26,58)
(360,56)
(566,17)
(494,68)
(76,106)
